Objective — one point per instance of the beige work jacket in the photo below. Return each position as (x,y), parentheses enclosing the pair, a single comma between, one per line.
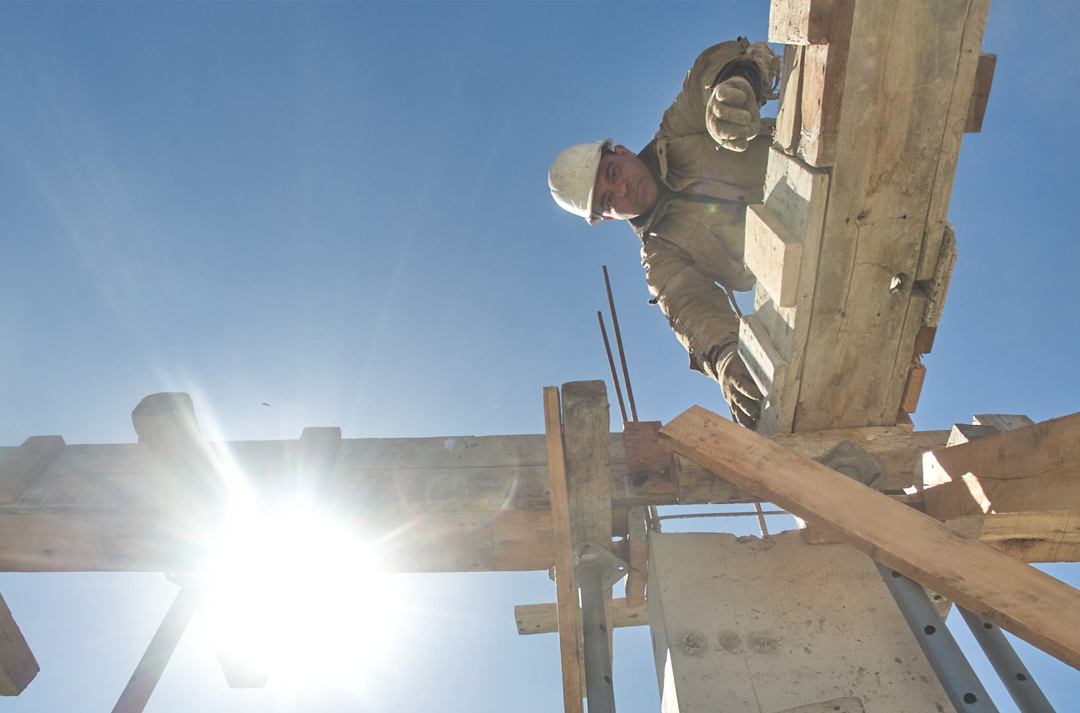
(693,238)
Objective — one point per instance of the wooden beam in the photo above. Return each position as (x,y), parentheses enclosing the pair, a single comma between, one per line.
(567,614)
(18,667)
(586,421)
(1029,469)
(639,556)
(28,461)
(913,389)
(980,93)
(800,22)
(1047,536)
(544,618)
(890,180)
(1034,606)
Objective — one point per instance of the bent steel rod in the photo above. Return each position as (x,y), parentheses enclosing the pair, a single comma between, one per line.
(618,342)
(611,363)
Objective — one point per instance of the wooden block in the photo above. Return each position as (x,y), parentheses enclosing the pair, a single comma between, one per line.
(789,110)
(1035,468)
(774,254)
(823,82)
(800,22)
(28,461)
(18,667)
(1002,421)
(913,389)
(980,93)
(542,618)
(924,340)
(939,284)
(761,356)
(903,420)
(1032,605)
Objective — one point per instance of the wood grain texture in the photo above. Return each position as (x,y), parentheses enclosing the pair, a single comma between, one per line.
(1029,469)
(18,667)
(1033,606)
(887,184)
(29,460)
(543,618)
(567,611)
(1048,536)
(773,253)
(800,22)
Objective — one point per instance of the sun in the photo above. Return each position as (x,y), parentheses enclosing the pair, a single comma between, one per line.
(295,594)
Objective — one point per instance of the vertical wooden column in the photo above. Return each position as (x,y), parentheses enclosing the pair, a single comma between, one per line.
(565,588)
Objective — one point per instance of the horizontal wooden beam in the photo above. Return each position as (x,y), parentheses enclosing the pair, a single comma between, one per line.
(543,618)
(1029,469)
(26,463)
(1017,597)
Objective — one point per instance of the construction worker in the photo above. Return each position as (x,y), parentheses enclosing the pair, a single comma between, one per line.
(685,195)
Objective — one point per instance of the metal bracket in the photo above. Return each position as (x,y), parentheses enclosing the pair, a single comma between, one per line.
(590,553)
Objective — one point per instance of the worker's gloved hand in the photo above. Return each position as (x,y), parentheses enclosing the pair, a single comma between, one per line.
(732,114)
(739,389)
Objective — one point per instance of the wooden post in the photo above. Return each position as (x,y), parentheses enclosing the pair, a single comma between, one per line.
(565,590)
(1017,597)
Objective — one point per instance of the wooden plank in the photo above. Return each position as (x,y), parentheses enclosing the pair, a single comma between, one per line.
(773,253)
(639,555)
(980,93)
(28,461)
(543,618)
(894,121)
(938,288)
(965,66)
(765,362)
(800,22)
(586,421)
(1048,536)
(913,389)
(1030,604)
(1002,421)
(924,340)
(797,194)
(567,609)
(18,667)
(823,87)
(789,110)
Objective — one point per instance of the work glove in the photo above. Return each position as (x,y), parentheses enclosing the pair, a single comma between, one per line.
(732,114)
(739,389)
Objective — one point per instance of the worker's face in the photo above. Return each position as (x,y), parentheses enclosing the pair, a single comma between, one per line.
(624,188)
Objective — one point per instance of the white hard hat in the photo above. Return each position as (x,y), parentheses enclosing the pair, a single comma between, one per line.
(572,176)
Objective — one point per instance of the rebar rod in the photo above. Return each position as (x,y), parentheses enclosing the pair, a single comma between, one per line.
(599,690)
(1014,674)
(961,685)
(611,363)
(618,343)
(142,683)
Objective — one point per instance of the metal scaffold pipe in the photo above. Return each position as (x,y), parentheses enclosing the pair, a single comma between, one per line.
(600,692)
(1014,674)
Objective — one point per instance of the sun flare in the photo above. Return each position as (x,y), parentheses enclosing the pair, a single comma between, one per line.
(297,594)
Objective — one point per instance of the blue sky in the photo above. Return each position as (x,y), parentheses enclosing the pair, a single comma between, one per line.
(340,210)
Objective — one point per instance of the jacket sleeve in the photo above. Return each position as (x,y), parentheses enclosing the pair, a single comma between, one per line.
(686,115)
(696,307)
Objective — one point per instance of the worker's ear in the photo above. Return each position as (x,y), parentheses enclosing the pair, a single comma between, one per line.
(623,151)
